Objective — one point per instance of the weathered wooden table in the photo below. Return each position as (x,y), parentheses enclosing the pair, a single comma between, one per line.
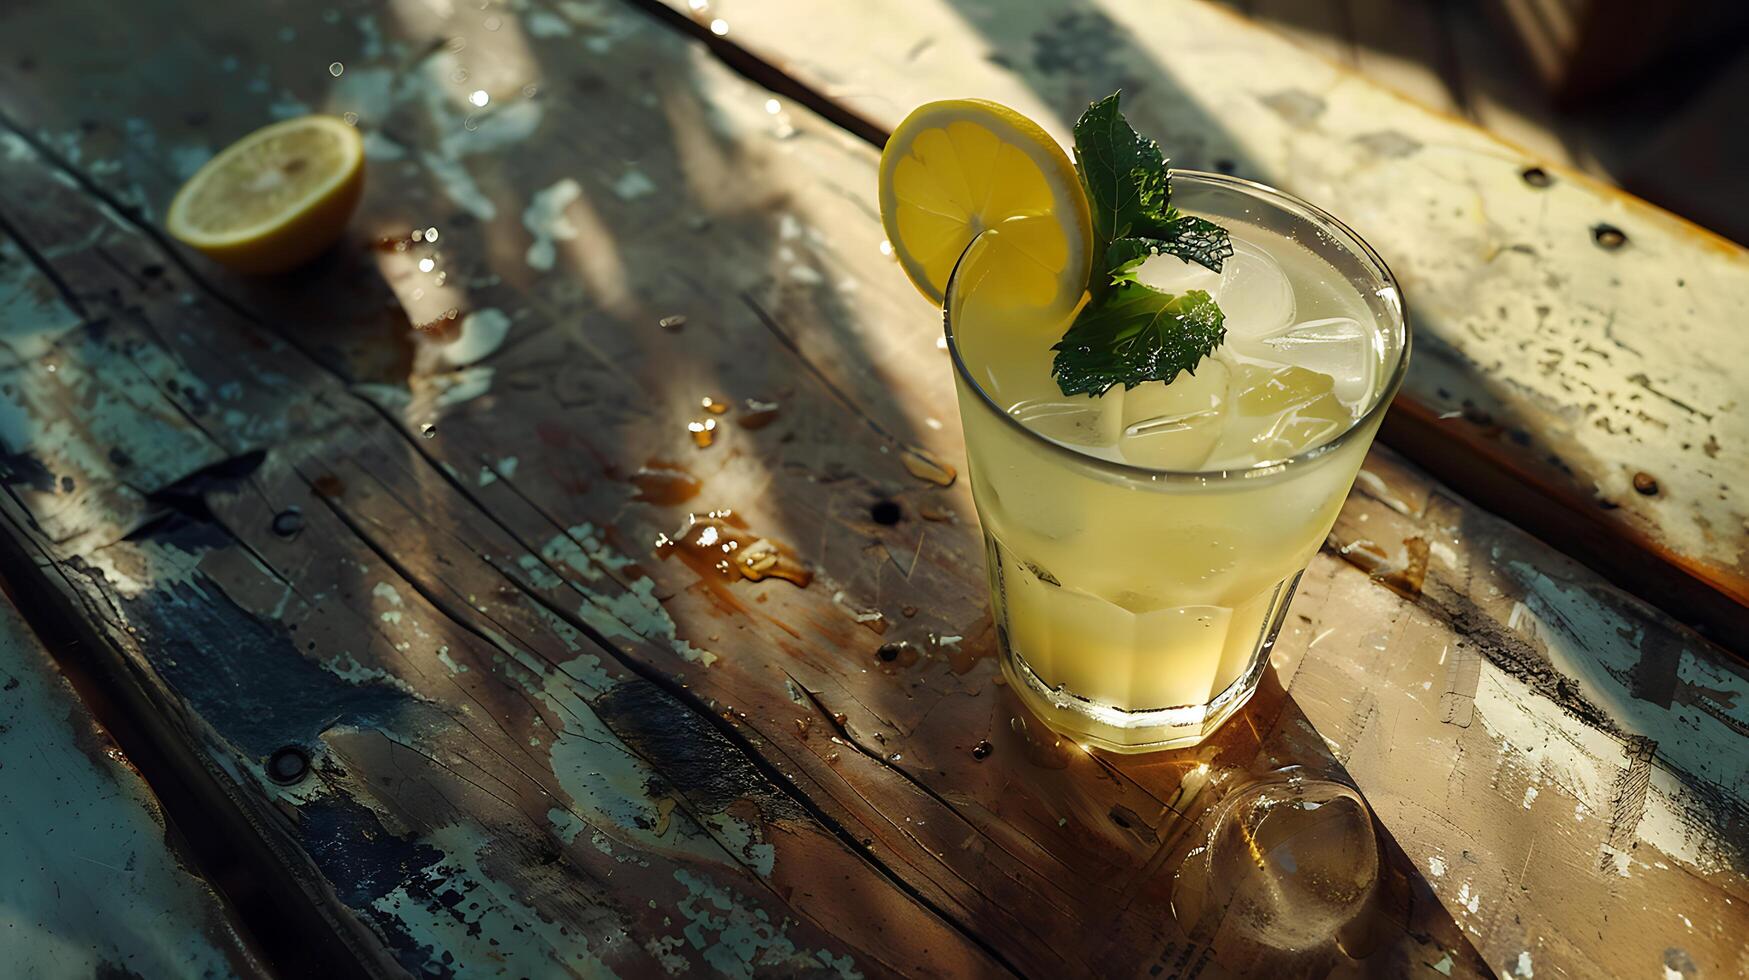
(378,588)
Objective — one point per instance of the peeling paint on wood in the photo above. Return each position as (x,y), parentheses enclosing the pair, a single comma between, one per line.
(1555,358)
(662,771)
(89,884)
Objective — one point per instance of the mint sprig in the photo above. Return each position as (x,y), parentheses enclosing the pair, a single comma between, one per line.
(1129,332)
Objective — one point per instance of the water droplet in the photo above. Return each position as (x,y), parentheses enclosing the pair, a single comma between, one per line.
(886,248)
(479,97)
(924,466)
(493,23)
(428,430)
(470,123)
(459,75)
(704,432)
(336,69)
(982,750)
(757,414)
(529,91)
(349,118)
(698,6)
(431,234)
(457,43)
(672,323)
(896,757)
(718,546)
(719,27)
(426,265)
(773,107)
(713,406)
(664,483)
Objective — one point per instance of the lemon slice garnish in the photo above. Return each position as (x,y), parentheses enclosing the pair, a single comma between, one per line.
(954,169)
(275,198)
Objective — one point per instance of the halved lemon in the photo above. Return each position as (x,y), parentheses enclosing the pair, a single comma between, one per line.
(953,169)
(275,198)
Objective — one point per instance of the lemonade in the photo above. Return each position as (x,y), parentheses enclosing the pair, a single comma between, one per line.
(1155,460)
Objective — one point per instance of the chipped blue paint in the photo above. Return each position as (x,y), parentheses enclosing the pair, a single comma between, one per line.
(566,824)
(634,612)
(449,662)
(737,939)
(745,840)
(490,929)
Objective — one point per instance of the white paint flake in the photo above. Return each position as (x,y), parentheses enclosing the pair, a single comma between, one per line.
(545,220)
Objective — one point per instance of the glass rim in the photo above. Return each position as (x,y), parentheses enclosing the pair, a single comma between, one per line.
(1344,235)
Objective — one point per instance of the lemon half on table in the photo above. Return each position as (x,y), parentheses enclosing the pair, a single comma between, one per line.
(953,169)
(275,198)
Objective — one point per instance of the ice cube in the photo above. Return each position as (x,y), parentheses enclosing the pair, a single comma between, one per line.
(1171,274)
(1254,294)
(1274,413)
(1173,426)
(1078,420)
(1340,347)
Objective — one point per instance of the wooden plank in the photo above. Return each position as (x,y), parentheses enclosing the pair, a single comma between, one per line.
(1568,766)
(91,879)
(511,560)
(518,540)
(1543,353)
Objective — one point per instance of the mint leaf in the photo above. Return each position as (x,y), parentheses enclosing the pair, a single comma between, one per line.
(1129,332)
(1129,192)
(1123,174)
(1137,334)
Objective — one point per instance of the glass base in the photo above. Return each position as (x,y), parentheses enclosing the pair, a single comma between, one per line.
(1094,723)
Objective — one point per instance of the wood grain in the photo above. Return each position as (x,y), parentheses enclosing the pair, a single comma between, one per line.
(542,741)
(1549,354)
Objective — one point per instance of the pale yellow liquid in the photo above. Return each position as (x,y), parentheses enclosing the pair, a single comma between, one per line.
(1127,594)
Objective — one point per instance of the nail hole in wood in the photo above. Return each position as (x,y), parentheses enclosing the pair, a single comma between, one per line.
(288,764)
(287,523)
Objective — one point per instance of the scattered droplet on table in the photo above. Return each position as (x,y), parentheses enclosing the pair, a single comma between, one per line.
(704,432)
(672,323)
(924,466)
(757,414)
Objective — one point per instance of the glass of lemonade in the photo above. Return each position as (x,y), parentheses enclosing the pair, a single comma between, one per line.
(1143,545)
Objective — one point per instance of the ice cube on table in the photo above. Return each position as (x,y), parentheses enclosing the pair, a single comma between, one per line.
(1173,426)
(1339,346)
(1254,293)
(1274,413)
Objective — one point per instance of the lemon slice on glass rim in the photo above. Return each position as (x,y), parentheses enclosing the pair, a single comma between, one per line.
(954,169)
(275,198)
